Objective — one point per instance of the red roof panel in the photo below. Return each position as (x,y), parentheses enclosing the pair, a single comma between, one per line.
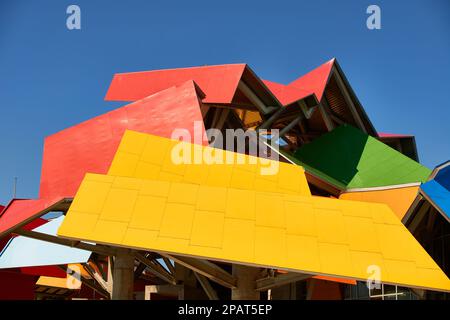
(91,145)
(393,135)
(48,271)
(23,211)
(287,94)
(32,225)
(219,83)
(316,80)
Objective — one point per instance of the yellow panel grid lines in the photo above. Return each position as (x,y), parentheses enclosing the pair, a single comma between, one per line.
(156,158)
(300,233)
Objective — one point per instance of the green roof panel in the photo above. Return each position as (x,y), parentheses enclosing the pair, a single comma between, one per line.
(348,157)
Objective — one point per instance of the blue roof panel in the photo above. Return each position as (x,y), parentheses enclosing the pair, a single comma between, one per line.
(439,195)
(443,177)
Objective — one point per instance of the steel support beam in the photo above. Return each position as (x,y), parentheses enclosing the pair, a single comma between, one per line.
(90,283)
(349,101)
(169,265)
(266,124)
(220,115)
(326,117)
(104,250)
(209,290)
(95,275)
(207,269)
(62,206)
(255,99)
(291,125)
(419,217)
(155,268)
(279,280)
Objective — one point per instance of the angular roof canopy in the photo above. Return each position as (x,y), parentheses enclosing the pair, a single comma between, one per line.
(351,159)
(91,145)
(135,196)
(428,217)
(439,196)
(337,103)
(398,199)
(237,222)
(403,143)
(437,190)
(287,94)
(147,156)
(26,252)
(219,83)
(316,80)
(442,174)
(20,212)
(312,83)
(306,234)
(54,282)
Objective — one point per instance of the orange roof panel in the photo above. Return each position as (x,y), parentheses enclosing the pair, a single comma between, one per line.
(398,199)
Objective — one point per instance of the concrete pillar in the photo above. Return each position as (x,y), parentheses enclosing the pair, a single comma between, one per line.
(123,276)
(246,283)
(286,292)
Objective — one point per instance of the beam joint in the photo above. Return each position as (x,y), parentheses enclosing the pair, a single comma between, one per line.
(291,125)
(267,283)
(155,268)
(206,285)
(207,269)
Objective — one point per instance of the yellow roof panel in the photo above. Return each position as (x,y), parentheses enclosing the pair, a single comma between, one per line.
(398,199)
(339,238)
(150,157)
(52,282)
(64,283)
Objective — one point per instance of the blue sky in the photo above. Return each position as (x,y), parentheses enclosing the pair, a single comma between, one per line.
(52,78)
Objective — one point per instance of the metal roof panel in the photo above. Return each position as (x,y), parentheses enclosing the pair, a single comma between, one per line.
(339,248)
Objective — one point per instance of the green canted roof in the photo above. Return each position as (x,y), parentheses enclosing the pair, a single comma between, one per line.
(313,171)
(348,158)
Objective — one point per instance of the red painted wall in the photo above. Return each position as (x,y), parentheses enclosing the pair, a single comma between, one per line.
(16,286)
